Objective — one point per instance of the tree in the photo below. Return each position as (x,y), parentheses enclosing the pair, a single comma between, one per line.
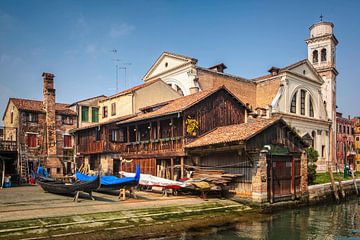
(312,156)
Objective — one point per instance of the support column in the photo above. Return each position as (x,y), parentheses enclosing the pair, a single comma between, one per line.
(172,169)
(303,173)
(182,166)
(259,179)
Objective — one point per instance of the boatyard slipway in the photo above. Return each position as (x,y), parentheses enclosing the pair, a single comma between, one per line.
(29,213)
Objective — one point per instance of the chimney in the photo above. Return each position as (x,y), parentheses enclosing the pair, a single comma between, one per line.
(52,161)
(274,71)
(218,68)
(194,90)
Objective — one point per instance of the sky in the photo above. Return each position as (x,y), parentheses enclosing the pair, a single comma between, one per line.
(75,41)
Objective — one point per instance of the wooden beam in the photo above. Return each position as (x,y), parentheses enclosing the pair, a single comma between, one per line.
(182,166)
(172,168)
(128,134)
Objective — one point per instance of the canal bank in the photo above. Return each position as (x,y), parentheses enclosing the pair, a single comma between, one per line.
(29,213)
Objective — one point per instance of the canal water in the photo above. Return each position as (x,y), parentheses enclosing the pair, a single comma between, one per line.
(331,221)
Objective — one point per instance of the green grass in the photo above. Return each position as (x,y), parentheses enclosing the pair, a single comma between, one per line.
(325,178)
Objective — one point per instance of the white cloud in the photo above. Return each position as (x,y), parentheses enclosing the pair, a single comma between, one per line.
(121,30)
(90,48)
(11,60)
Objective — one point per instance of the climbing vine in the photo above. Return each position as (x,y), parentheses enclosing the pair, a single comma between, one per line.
(191,125)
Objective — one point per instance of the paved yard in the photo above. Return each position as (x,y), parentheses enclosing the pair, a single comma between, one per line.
(32,202)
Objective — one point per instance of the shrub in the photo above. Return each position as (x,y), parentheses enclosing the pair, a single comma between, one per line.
(312,156)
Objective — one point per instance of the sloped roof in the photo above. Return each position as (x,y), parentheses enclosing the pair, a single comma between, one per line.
(232,133)
(37,106)
(135,88)
(87,99)
(103,123)
(180,104)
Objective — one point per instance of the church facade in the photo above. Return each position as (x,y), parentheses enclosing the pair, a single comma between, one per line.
(303,93)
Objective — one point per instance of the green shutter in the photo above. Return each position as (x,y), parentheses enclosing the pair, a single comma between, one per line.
(95,114)
(84,114)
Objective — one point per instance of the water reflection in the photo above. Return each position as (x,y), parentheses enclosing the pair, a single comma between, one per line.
(332,221)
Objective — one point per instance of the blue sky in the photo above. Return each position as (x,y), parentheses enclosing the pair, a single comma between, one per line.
(74,39)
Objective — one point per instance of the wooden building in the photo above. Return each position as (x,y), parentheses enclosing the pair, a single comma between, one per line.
(267,153)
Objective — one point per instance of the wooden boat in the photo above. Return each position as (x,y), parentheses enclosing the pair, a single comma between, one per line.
(112,182)
(74,188)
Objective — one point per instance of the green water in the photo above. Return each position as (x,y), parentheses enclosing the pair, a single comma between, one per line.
(332,221)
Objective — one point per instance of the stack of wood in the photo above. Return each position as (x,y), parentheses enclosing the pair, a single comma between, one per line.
(215,177)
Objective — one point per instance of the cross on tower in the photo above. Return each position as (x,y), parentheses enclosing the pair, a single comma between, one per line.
(321,18)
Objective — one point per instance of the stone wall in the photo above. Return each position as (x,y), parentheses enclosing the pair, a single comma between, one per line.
(324,192)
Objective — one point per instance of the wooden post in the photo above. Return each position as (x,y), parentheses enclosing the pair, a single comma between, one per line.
(182,166)
(172,133)
(354,181)
(271,181)
(172,169)
(293,177)
(3,174)
(341,189)
(336,194)
(128,134)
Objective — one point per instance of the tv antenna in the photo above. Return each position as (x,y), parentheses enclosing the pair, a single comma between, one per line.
(119,65)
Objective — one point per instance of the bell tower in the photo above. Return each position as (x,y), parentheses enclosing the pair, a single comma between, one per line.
(321,48)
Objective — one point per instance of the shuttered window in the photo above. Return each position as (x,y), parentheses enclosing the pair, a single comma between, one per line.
(31,140)
(67,141)
(94,114)
(113,109)
(84,114)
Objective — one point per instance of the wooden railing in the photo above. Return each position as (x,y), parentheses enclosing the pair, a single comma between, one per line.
(8,146)
(154,146)
(92,147)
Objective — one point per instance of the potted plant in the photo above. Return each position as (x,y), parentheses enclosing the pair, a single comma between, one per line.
(191,126)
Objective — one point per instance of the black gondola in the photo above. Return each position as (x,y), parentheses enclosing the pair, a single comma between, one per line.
(72,188)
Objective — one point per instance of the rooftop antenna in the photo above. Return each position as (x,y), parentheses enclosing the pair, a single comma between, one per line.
(321,18)
(125,68)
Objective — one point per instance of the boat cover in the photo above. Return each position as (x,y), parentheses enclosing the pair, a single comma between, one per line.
(110,180)
(150,180)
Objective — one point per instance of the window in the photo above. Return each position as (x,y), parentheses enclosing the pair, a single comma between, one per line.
(315,56)
(113,109)
(311,108)
(31,117)
(84,114)
(94,162)
(302,102)
(31,140)
(67,141)
(68,120)
(105,112)
(293,104)
(117,135)
(323,151)
(323,55)
(12,117)
(94,114)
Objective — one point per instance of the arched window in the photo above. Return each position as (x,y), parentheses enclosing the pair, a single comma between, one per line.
(323,55)
(302,102)
(315,56)
(293,104)
(311,107)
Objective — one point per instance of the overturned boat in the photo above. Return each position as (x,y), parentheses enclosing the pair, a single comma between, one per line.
(60,187)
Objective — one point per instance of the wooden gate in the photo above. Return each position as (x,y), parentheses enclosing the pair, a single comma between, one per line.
(283,177)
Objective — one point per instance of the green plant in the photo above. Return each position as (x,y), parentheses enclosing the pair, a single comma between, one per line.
(312,156)
(191,125)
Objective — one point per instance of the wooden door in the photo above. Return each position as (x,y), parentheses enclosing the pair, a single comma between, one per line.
(281,174)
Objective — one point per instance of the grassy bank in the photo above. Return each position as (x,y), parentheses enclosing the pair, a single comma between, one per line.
(325,177)
(134,223)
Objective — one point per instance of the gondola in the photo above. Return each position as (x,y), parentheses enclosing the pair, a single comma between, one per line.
(73,188)
(112,182)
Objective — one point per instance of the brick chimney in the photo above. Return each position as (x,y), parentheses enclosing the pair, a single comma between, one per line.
(218,68)
(52,161)
(274,71)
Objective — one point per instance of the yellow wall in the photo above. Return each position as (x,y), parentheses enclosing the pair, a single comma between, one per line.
(10,134)
(123,107)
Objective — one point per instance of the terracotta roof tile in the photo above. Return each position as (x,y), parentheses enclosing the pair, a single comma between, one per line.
(37,106)
(232,133)
(179,104)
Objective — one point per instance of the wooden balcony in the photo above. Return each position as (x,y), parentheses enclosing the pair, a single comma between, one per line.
(92,147)
(162,146)
(8,146)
